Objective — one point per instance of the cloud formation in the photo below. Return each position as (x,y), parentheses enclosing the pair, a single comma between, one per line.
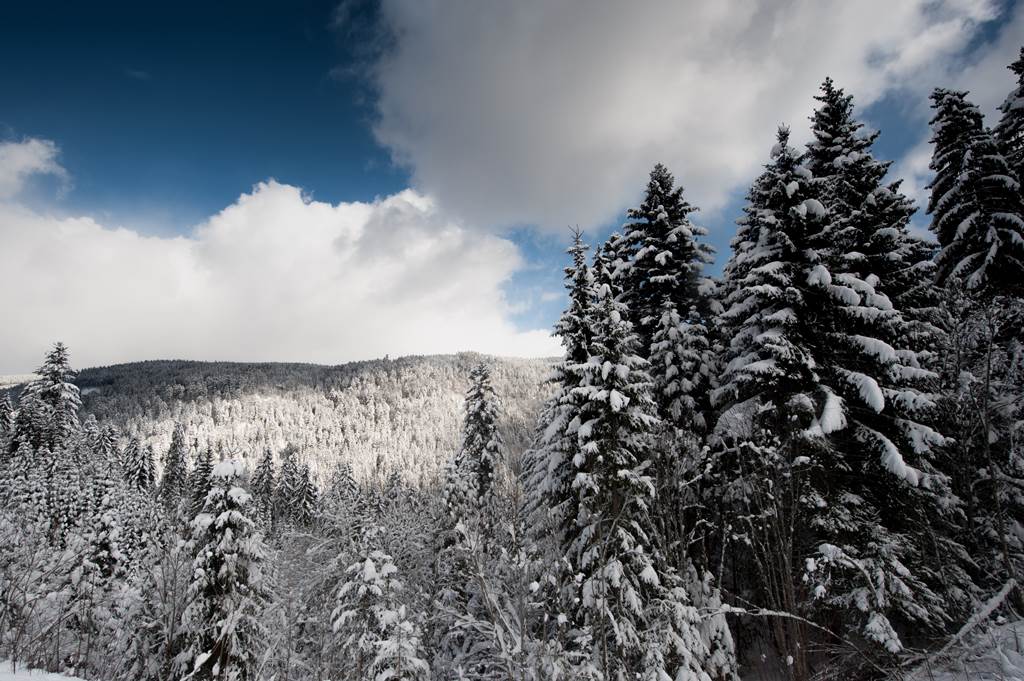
(552,113)
(275,276)
(21,160)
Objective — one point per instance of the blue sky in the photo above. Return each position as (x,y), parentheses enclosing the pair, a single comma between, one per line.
(164,114)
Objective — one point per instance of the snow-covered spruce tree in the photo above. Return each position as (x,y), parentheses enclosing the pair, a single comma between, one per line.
(548,469)
(174,479)
(378,637)
(56,389)
(666,267)
(976,204)
(6,416)
(869,218)
(1010,129)
(263,478)
(807,350)
(222,633)
(632,603)
(288,492)
(139,470)
(470,505)
(200,481)
(480,453)
(987,250)
(308,497)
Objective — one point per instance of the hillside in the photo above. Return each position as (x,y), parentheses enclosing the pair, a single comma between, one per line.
(383,415)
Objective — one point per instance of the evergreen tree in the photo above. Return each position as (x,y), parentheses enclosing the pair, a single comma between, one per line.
(6,415)
(667,260)
(986,250)
(808,350)
(638,615)
(263,478)
(200,482)
(139,470)
(55,388)
(308,497)
(481,442)
(174,480)
(287,496)
(1010,129)
(378,638)
(222,631)
(548,469)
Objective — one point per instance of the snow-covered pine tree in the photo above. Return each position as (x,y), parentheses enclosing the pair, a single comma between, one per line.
(667,260)
(987,248)
(289,485)
(481,442)
(807,350)
(139,470)
(222,631)
(631,602)
(200,481)
(6,416)
(956,123)
(379,639)
(1010,129)
(548,468)
(308,497)
(54,387)
(869,218)
(263,478)
(174,479)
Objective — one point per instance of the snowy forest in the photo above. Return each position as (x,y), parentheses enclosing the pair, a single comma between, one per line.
(809,467)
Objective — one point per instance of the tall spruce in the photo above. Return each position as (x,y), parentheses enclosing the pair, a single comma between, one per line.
(139,470)
(1010,129)
(639,617)
(174,478)
(224,637)
(55,389)
(808,349)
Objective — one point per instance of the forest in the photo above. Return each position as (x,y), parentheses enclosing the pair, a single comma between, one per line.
(809,467)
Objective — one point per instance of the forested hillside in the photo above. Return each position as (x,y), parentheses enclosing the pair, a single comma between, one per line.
(389,415)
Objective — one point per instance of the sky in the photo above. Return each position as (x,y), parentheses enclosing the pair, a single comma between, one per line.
(325,182)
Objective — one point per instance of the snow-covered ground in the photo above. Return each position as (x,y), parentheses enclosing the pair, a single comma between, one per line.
(30,675)
(995,654)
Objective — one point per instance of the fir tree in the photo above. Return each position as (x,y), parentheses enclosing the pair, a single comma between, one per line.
(308,497)
(481,443)
(223,635)
(808,350)
(139,471)
(287,495)
(1010,129)
(379,639)
(55,388)
(986,250)
(200,482)
(633,605)
(666,267)
(6,415)
(174,480)
(263,478)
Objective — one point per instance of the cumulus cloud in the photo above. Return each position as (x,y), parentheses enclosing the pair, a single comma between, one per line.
(21,160)
(274,276)
(552,113)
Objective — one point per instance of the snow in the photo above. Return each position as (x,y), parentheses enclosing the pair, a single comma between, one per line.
(868,388)
(814,207)
(30,675)
(819,276)
(996,654)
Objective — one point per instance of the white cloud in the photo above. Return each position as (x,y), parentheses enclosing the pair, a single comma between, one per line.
(21,160)
(552,113)
(989,81)
(274,276)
